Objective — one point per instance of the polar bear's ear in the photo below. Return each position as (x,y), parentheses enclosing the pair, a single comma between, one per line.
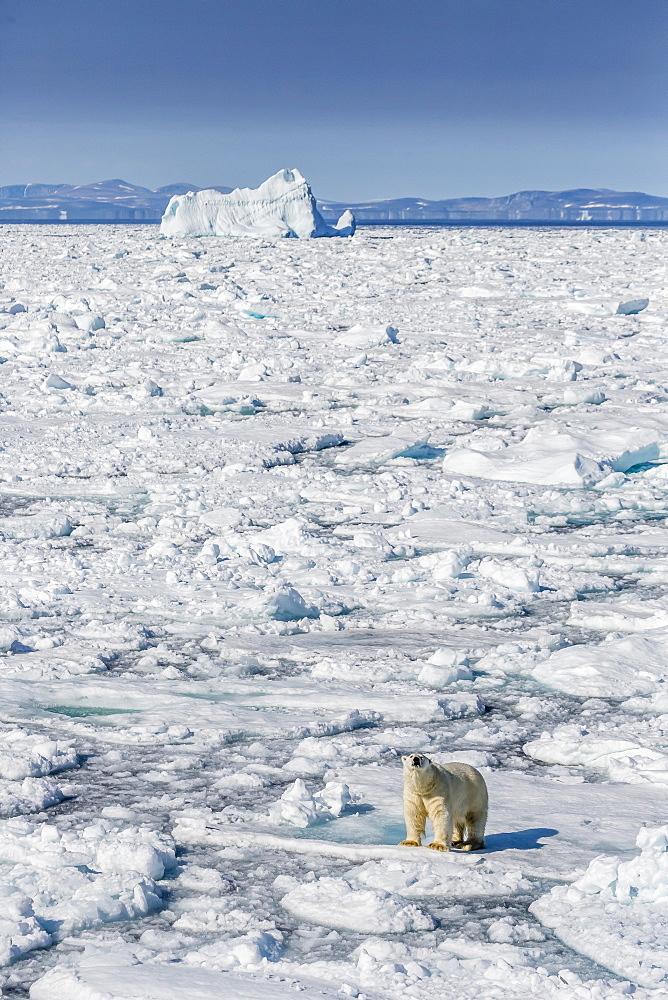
(404,758)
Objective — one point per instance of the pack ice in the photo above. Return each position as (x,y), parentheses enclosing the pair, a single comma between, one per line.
(616,912)
(283,205)
(276,512)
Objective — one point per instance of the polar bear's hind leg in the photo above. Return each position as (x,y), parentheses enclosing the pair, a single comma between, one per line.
(458,835)
(475,840)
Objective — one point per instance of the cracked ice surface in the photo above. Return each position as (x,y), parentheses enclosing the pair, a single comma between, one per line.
(274,513)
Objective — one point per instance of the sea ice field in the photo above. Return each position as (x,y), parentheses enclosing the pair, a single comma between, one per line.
(275,512)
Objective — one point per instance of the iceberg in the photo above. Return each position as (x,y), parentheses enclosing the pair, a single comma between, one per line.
(282,206)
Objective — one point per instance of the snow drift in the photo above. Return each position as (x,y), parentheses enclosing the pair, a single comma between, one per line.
(282,206)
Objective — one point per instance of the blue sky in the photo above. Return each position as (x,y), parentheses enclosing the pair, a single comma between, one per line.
(368,98)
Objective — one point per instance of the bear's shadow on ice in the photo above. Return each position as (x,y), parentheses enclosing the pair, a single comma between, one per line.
(520,840)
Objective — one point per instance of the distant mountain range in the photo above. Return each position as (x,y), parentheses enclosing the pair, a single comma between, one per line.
(117,200)
(580,205)
(100,202)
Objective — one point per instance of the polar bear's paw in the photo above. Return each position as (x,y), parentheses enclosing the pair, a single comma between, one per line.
(437,846)
(409,843)
(474,845)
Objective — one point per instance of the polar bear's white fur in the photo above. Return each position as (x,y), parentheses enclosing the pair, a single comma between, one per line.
(453,796)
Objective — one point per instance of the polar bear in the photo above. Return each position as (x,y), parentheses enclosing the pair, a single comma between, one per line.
(453,796)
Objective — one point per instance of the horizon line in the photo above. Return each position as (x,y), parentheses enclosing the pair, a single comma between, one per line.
(338,201)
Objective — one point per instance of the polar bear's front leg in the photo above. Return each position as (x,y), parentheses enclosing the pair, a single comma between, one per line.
(441,820)
(415,816)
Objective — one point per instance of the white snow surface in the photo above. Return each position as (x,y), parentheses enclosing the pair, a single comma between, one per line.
(283,205)
(164,982)
(274,513)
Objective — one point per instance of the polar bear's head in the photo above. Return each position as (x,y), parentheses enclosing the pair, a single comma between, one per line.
(416,762)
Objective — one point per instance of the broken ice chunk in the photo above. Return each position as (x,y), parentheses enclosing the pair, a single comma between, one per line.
(299,807)
(632,307)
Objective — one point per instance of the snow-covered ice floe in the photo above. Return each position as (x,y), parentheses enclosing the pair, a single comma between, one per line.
(615,913)
(561,453)
(54,884)
(621,759)
(282,206)
(615,668)
(339,903)
(276,512)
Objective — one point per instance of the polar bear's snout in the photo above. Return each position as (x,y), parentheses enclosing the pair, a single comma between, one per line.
(417,760)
